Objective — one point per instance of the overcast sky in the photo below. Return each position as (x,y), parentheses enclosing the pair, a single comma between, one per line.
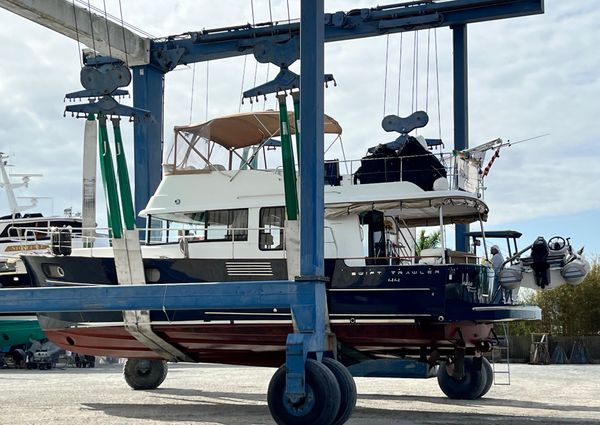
(527,76)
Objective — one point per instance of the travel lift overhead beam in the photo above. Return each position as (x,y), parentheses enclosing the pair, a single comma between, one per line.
(151,59)
(92,30)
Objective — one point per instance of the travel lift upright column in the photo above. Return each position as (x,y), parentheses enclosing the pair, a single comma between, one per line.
(311,224)
(461,111)
(148,92)
(330,378)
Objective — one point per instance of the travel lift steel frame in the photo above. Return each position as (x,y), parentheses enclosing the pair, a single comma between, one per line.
(151,59)
(306,295)
(267,41)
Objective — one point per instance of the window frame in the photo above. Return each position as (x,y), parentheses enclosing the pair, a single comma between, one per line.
(202,229)
(263,231)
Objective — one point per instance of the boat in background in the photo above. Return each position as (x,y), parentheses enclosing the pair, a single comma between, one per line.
(23,233)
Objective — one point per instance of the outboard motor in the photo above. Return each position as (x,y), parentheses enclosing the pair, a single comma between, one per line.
(540,266)
(61,242)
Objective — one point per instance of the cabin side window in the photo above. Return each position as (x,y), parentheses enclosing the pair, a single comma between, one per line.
(226,225)
(271,223)
(215,225)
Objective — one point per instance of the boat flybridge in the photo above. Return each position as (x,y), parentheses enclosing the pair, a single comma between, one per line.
(220,214)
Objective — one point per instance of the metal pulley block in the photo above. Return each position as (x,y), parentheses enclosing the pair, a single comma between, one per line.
(101,77)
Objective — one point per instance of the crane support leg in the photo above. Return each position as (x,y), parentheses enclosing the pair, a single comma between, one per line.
(461,109)
(148,94)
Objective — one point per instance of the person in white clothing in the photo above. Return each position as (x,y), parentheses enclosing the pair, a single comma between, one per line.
(497,258)
(497,261)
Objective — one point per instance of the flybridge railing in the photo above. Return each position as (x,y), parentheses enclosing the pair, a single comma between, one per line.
(198,154)
(459,173)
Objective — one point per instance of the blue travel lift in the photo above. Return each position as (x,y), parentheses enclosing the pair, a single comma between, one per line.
(312,387)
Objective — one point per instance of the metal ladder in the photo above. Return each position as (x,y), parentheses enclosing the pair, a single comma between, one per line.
(501,358)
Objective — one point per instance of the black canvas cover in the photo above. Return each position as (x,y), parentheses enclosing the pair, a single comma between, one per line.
(402,160)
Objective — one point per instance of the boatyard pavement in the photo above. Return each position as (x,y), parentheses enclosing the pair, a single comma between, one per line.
(214,394)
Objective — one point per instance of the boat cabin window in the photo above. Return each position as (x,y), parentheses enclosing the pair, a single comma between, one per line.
(271,223)
(225,224)
(25,230)
(215,225)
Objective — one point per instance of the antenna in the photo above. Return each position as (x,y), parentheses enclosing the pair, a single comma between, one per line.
(10,186)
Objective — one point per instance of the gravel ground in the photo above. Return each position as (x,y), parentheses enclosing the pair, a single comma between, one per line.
(211,394)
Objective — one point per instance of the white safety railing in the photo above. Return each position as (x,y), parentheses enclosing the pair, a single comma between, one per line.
(239,242)
(392,169)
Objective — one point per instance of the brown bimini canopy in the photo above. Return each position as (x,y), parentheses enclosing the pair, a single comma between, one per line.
(248,129)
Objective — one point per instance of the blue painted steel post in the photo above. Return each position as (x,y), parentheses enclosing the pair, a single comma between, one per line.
(311,152)
(148,94)
(312,70)
(461,109)
(311,314)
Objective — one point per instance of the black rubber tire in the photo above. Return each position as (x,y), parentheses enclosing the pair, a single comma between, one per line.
(144,374)
(322,401)
(165,373)
(347,390)
(488,375)
(469,387)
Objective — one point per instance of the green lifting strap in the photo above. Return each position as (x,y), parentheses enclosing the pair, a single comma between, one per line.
(296,98)
(123,174)
(287,155)
(108,178)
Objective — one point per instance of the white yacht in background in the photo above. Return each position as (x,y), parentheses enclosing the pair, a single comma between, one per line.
(22,233)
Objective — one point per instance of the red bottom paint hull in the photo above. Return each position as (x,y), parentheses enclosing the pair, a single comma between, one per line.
(264,344)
